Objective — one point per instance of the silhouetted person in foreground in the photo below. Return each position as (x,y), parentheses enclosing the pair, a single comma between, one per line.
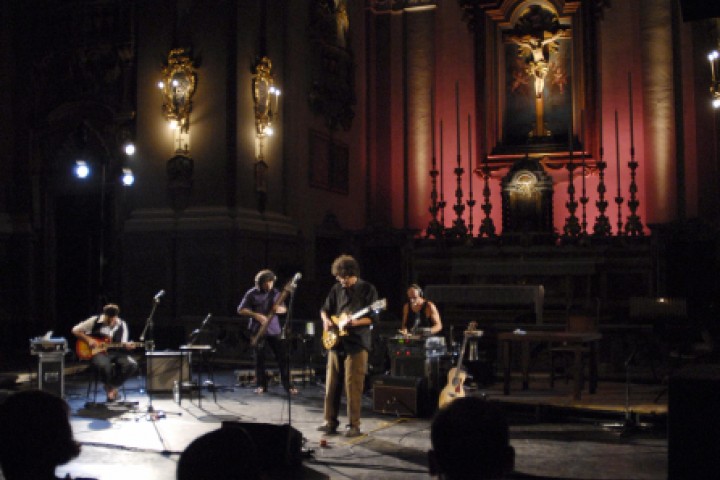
(470,440)
(35,436)
(226,453)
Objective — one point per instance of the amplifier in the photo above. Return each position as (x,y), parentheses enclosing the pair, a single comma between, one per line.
(163,370)
(429,368)
(401,396)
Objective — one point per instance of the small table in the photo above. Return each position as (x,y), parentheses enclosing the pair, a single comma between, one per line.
(205,352)
(575,341)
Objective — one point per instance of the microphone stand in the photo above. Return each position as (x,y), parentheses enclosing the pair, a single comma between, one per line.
(630,425)
(149,346)
(284,336)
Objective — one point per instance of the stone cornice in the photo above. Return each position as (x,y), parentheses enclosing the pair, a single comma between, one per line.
(389,6)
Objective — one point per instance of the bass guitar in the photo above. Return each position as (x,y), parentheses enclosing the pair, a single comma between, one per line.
(287,290)
(331,336)
(457,375)
(85,352)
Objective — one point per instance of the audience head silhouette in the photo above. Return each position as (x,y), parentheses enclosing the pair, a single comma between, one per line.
(35,435)
(228,453)
(470,440)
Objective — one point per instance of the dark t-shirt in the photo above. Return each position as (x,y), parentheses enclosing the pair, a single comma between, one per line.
(351,300)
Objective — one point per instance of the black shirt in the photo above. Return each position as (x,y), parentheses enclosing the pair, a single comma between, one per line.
(351,300)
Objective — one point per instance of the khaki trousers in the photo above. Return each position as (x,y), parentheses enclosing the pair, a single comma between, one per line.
(351,369)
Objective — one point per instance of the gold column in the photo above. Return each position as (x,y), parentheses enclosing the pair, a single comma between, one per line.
(419,72)
(658,164)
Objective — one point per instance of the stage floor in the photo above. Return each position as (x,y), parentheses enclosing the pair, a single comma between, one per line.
(553,435)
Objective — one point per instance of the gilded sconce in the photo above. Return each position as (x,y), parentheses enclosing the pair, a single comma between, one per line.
(266,102)
(265,97)
(178,87)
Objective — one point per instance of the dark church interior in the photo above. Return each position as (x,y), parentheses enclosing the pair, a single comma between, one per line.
(547,172)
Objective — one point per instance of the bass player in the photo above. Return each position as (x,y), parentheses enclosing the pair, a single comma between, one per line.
(259,304)
(115,366)
(347,360)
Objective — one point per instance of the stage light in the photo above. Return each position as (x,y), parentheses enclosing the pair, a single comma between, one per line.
(127,177)
(129,149)
(82,170)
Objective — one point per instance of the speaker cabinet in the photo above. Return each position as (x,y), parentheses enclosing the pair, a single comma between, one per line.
(694,423)
(163,370)
(403,396)
(429,368)
(278,446)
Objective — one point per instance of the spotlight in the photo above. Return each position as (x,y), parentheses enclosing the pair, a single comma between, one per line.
(129,149)
(127,177)
(82,170)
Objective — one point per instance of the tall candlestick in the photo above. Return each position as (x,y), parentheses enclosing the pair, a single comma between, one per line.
(470,166)
(632,137)
(457,113)
(582,152)
(432,123)
(442,163)
(617,151)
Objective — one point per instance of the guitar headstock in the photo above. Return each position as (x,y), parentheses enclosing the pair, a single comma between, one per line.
(379,305)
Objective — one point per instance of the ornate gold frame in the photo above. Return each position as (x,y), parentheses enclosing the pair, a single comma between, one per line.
(265,97)
(178,87)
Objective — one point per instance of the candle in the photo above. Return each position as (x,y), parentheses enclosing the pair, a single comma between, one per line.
(442,189)
(470,169)
(617,152)
(582,152)
(432,124)
(632,141)
(712,57)
(457,113)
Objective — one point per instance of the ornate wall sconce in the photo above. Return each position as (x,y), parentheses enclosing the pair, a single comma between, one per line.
(715,81)
(178,87)
(266,101)
(265,96)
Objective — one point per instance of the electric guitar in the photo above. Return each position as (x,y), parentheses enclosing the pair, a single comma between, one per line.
(457,375)
(331,336)
(85,352)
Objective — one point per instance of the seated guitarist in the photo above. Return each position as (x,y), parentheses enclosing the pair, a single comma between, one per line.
(115,366)
(347,361)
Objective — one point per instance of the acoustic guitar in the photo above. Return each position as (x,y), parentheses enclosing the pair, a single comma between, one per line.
(457,375)
(331,336)
(85,352)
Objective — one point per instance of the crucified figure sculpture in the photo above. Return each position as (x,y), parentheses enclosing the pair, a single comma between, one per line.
(537,55)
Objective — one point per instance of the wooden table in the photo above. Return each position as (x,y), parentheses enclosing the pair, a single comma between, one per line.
(577,342)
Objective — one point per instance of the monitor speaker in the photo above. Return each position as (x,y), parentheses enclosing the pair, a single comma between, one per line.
(401,396)
(163,370)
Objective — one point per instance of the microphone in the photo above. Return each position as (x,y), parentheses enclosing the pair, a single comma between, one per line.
(159,295)
(204,322)
(296,279)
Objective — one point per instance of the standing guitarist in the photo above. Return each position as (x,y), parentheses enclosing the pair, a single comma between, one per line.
(347,360)
(114,366)
(259,303)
